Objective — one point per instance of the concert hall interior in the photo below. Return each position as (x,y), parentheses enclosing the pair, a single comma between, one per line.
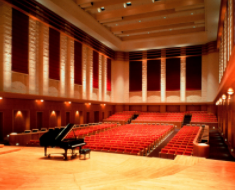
(132,94)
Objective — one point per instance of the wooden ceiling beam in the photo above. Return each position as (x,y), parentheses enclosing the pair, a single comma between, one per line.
(79,2)
(151,7)
(165,33)
(170,12)
(161,22)
(167,27)
(106,3)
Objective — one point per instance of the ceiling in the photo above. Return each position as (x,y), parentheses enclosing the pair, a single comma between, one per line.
(145,24)
(129,20)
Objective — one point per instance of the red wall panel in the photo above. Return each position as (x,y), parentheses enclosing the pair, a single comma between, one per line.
(54,54)
(135,76)
(20,42)
(109,74)
(153,75)
(193,73)
(173,74)
(77,63)
(95,69)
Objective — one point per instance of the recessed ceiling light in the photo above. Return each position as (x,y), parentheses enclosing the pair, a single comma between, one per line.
(155,0)
(128,3)
(164,17)
(124,5)
(128,35)
(102,8)
(148,32)
(194,26)
(191,13)
(116,24)
(139,20)
(170,29)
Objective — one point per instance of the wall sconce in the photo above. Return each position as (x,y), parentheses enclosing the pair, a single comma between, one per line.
(0,98)
(220,100)
(223,96)
(230,92)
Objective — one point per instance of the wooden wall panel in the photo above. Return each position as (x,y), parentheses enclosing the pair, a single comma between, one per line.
(172,108)
(193,108)
(154,108)
(135,108)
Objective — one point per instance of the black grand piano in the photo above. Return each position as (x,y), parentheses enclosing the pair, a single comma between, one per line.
(64,138)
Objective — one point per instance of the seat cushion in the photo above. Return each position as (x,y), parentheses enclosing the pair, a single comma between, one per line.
(85,151)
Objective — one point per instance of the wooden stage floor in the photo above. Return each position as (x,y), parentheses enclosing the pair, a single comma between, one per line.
(28,169)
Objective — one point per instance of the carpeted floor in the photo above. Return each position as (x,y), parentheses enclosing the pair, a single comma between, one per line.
(155,153)
(218,149)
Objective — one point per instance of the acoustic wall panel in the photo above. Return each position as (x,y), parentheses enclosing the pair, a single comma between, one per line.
(95,69)
(54,54)
(154,75)
(135,76)
(109,74)
(77,63)
(20,42)
(173,74)
(193,73)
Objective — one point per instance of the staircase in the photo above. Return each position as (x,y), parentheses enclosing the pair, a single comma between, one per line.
(187,119)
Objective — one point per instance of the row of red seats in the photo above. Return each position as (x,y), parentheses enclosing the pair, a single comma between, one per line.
(90,130)
(181,143)
(130,139)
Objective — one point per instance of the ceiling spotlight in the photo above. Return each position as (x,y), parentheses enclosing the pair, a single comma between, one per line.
(230,91)
(102,8)
(191,13)
(128,3)
(42,100)
(170,29)
(164,17)
(194,26)
(148,32)
(124,5)
(116,24)
(0,98)
(155,0)
(128,35)
(139,20)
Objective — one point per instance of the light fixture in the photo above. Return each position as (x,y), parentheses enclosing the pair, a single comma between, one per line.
(0,98)
(17,144)
(231,150)
(223,96)
(220,100)
(170,29)
(102,8)
(194,26)
(155,0)
(230,91)
(99,10)
(191,13)
(225,139)
(69,102)
(42,100)
(139,20)
(116,24)
(164,17)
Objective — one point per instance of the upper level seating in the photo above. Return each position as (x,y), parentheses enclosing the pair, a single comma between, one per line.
(203,117)
(121,117)
(129,139)
(84,131)
(181,143)
(160,117)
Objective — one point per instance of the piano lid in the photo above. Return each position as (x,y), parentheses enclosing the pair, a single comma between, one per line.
(66,132)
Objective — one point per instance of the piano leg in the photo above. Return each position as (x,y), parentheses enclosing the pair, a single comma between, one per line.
(65,154)
(45,150)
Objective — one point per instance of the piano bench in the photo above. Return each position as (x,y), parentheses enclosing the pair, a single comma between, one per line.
(84,151)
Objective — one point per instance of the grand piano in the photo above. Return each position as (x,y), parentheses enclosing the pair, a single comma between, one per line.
(64,138)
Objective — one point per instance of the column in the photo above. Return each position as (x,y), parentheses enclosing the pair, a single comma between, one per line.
(70,68)
(89,73)
(43,59)
(84,75)
(33,51)
(144,78)
(63,61)
(5,47)
(182,76)
(104,78)
(100,78)
(163,75)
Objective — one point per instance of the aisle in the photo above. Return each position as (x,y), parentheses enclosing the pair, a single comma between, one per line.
(155,153)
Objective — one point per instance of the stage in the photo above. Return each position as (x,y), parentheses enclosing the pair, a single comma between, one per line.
(28,169)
